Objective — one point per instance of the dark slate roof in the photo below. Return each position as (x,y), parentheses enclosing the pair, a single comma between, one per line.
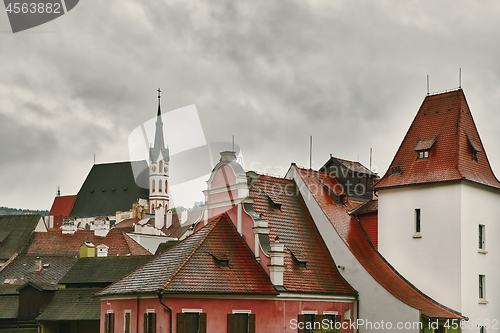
(296,229)
(103,269)
(351,232)
(8,307)
(22,269)
(19,229)
(351,165)
(444,124)
(62,205)
(8,289)
(191,267)
(54,242)
(72,304)
(367,207)
(110,188)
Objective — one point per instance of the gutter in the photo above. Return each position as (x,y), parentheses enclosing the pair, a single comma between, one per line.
(160,298)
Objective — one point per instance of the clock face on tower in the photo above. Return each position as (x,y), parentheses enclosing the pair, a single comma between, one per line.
(153,168)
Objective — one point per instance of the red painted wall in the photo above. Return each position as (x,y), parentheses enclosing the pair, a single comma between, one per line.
(272,316)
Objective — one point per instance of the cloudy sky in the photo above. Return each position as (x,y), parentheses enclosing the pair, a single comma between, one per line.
(350,73)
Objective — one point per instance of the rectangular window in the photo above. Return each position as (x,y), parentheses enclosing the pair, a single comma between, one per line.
(310,321)
(482,294)
(241,322)
(191,322)
(417,220)
(481,237)
(109,322)
(126,321)
(150,322)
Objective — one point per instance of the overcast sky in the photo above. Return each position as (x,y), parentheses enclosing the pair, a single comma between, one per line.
(350,73)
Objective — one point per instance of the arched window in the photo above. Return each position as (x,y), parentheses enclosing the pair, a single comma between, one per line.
(161,166)
(166,188)
(159,186)
(153,186)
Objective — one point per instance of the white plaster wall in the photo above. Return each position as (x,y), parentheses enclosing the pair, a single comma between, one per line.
(375,302)
(432,262)
(480,205)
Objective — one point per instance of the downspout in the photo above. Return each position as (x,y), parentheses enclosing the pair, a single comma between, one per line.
(357,312)
(160,297)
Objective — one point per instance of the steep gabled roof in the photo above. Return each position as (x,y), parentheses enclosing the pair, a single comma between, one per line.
(112,187)
(102,269)
(443,126)
(356,240)
(16,232)
(54,242)
(22,269)
(62,205)
(191,266)
(296,229)
(72,304)
(351,165)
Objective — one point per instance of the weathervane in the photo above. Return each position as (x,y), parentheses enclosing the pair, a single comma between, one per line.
(159,93)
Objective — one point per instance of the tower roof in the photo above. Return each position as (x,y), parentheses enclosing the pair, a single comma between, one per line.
(445,129)
(159,144)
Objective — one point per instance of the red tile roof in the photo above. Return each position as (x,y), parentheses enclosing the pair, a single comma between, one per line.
(444,125)
(296,229)
(356,240)
(126,225)
(191,266)
(54,242)
(62,205)
(177,230)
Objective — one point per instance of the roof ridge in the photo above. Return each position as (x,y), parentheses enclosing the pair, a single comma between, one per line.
(215,221)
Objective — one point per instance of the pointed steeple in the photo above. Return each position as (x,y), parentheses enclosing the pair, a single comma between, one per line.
(159,142)
(442,144)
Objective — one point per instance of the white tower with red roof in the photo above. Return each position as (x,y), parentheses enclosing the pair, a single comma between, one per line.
(158,167)
(439,210)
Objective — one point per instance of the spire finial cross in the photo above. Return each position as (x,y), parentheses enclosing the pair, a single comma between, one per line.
(159,93)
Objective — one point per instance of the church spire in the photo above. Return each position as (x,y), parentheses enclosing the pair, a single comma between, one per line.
(159,99)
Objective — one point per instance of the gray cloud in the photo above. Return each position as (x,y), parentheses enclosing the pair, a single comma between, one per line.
(351,73)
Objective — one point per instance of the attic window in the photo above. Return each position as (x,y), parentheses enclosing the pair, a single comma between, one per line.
(474,148)
(276,207)
(339,200)
(424,146)
(221,259)
(424,154)
(299,259)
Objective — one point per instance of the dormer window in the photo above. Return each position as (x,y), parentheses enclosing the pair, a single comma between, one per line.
(424,147)
(474,149)
(221,259)
(423,154)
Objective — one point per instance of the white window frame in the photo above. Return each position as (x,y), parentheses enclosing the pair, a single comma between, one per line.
(347,314)
(482,300)
(124,321)
(482,235)
(242,311)
(334,313)
(192,311)
(310,312)
(150,311)
(417,234)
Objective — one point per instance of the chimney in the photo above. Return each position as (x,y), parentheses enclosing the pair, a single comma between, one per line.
(184,216)
(87,250)
(277,266)
(102,250)
(38,265)
(68,225)
(169,218)
(159,217)
(101,226)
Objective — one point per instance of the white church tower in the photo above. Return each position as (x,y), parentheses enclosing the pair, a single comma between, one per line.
(158,168)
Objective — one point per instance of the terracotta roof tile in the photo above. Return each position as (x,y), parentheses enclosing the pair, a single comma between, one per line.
(62,205)
(54,242)
(356,240)
(190,266)
(296,229)
(446,119)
